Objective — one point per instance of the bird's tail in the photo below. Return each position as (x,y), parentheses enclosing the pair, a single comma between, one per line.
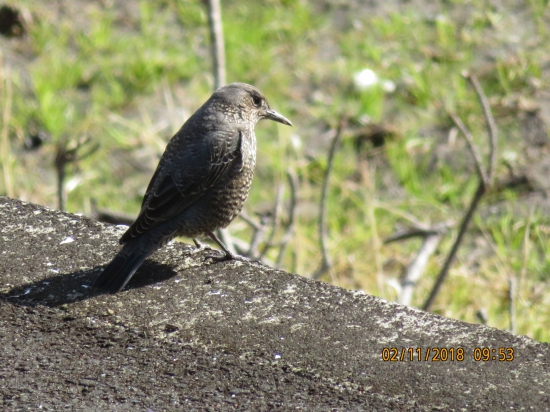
(121,269)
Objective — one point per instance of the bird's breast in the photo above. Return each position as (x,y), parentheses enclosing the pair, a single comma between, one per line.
(248,150)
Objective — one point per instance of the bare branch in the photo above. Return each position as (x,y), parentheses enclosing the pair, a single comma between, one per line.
(293,184)
(67,151)
(512,307)
(326,262)
(484,183)
(216,42)
(431,238)
(258,237)
(450,258)
(276,220)
(5,153)
(418,266)
(255,225)
(491,125)
(473,148)
(422,231)
(398,212)
(242,246)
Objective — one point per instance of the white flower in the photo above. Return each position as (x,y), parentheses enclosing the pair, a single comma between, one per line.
(365,79)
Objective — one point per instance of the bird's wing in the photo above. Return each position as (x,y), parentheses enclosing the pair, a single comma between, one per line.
(197,168)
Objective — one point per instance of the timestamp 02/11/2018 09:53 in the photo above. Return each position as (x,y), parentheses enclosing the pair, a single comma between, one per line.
(447,354)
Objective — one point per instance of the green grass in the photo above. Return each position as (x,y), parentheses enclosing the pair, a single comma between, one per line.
(120,77)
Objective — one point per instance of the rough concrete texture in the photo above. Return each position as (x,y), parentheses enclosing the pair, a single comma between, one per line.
(190,334)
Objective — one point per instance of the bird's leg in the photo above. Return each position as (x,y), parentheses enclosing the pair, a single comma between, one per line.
(228,255)
(200,246)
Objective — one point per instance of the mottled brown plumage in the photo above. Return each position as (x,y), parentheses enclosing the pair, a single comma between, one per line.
(201,181)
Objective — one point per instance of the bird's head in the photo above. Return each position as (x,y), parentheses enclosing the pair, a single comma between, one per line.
(247,102)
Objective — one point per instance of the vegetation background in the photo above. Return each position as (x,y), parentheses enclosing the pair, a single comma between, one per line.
(101,86)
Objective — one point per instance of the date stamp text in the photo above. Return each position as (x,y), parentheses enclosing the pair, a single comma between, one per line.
(447,354)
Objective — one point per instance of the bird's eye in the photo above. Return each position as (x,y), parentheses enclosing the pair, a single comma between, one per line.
(257,100)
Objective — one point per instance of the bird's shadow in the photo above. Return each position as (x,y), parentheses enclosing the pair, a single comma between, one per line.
(77,286)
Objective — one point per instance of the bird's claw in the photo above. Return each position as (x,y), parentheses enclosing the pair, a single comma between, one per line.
(227,257)
(224,257)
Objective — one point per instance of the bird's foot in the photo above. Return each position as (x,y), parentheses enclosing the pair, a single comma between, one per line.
(228,256)
(224,257)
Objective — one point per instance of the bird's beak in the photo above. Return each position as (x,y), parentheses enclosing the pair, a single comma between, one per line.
(273,115)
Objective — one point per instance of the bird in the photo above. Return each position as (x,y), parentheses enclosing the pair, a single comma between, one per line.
(201,181)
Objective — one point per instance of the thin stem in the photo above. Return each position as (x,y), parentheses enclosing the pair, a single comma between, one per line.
(417,267)
(326,262)
(450,258)
(491,125)
(473,148)
(217,43)
(293,183)
(7,160)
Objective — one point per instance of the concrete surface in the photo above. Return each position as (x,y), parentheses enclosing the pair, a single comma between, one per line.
(190,334)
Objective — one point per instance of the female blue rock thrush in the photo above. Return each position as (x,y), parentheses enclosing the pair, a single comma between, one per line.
(201,181)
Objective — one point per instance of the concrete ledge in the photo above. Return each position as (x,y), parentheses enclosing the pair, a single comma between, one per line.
(190,334)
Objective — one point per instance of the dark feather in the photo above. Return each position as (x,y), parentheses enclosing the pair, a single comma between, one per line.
(115,276)
(171,191)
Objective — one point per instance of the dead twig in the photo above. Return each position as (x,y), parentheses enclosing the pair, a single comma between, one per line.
(257,237)
(293,184)
(472,146)
(485,180)
(450,258)
(216,42)
(512,307)
(251,222)
(276,222)
(273,222)
(420,231)
(417,267)
(326,261)
(69,151)
(6,157)
(258,233)
(489,120)
(431,238)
